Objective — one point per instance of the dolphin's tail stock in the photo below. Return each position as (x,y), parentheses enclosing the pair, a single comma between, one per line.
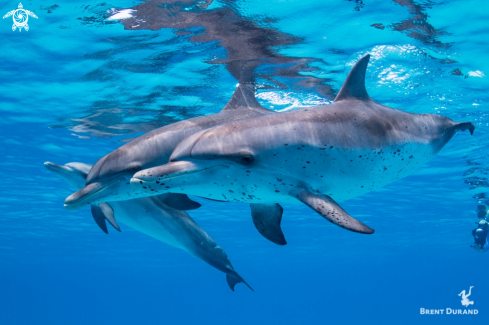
(462,126)
(234,278)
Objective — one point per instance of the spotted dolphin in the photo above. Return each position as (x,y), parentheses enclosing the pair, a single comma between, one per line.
(108,180)
(154,218)
(315,155)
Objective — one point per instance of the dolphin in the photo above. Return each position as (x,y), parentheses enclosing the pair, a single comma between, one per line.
(152,217)
(108,180)
(315,155)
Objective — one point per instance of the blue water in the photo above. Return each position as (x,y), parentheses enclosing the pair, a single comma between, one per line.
(77,85)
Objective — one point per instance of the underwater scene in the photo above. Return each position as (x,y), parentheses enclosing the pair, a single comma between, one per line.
(244,162)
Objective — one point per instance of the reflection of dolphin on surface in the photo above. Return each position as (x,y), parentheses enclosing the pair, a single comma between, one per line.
(153,218)
(315,155)
(465,297)
(248,44)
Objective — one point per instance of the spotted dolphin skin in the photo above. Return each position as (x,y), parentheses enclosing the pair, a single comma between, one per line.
(108,180)
(315,155)
(154,218)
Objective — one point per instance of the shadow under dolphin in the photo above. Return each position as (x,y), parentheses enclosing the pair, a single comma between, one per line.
(154,218)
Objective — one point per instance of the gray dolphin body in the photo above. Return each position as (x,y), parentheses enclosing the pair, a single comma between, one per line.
(154,218)
(315,155)
(108,180)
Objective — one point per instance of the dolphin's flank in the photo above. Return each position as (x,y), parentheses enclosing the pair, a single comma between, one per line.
(317,155)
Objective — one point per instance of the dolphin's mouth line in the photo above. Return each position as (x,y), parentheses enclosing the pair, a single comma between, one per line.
(92,194)
(172,176)
(190,172)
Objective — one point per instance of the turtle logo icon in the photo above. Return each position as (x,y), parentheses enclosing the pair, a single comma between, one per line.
(20,17)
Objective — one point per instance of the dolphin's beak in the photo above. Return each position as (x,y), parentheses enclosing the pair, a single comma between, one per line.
(160,173)
(55,168)
(81,198)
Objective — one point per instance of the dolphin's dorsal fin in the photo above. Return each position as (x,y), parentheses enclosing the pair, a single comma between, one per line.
(243,98)
(354,86)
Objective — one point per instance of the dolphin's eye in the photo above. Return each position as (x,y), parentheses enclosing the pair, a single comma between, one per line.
(248,159)
(245,157)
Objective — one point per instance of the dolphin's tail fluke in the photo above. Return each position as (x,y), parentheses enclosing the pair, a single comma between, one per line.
(462,126)
(234,279)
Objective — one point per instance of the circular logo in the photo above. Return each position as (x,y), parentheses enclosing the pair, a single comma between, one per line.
(20,17)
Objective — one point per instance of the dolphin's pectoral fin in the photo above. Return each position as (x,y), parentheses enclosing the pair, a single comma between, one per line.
(267,218)
(234,279)
(109,215)
(99,218)
(329,209)
(102,212)
(179,202)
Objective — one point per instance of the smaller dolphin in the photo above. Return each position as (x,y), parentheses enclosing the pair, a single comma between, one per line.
(153,218)
(314,155)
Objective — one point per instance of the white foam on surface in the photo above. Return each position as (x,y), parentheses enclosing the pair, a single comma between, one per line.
(123,14)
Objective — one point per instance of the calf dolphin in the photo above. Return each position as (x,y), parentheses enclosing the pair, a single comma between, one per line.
(108,180)
(152,217)
(316,155)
